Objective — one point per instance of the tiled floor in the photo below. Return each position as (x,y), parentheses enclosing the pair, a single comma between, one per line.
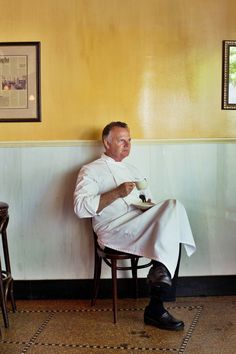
(51,327)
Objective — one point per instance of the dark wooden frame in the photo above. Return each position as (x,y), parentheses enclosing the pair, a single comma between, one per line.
(32,113)
(226,103)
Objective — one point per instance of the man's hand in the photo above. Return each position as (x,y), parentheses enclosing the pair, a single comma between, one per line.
(119,192)
(125,188)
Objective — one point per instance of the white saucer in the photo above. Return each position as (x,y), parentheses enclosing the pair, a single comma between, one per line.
(143,205)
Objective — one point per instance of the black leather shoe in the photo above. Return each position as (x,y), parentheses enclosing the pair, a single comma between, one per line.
(165,321)
(159,276)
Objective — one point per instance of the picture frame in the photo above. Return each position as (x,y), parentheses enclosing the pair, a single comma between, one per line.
(229,75)
(20,82)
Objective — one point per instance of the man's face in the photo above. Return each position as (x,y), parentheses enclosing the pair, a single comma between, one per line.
(117,143)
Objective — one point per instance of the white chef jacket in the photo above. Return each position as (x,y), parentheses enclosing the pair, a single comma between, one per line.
(155,233)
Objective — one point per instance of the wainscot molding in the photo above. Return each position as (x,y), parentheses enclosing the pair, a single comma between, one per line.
(71,143)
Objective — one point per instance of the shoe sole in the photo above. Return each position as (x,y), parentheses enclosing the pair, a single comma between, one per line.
(150,322)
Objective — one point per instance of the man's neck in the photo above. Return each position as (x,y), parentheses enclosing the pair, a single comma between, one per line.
(113,157)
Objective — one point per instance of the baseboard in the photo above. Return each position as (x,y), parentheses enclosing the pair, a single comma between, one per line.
(81,289)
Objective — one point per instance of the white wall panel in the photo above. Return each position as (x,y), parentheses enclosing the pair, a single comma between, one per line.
(46,239)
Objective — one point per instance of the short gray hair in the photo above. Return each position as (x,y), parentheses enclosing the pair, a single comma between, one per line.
(111,125)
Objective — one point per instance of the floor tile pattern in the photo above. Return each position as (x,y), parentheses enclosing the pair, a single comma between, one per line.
(74,327)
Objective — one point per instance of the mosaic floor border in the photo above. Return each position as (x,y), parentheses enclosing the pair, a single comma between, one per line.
(123,347)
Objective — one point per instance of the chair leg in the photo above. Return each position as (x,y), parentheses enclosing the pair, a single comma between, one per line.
(134,263)
(96,280)
(170,294)
(175,278)
(114,288)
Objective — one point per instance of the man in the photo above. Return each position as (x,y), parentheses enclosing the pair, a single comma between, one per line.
(106,191)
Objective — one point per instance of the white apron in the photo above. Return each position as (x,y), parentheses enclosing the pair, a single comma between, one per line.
(154,233)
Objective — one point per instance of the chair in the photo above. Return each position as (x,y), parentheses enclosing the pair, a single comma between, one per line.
(6,280)
(111,257)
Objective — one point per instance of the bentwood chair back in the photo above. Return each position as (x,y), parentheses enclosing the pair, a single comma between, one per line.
(111,258)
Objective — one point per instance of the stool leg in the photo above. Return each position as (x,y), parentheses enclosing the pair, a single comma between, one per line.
(114,288)
(7,261)
(3,300)
(5,246)
(13,303)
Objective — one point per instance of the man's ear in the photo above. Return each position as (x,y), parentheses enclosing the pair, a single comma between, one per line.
(106,144)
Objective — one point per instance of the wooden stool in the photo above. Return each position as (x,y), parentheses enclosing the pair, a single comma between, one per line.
(6,280)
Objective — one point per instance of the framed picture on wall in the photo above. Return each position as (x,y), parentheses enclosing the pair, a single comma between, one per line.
(229,75)
(20,82)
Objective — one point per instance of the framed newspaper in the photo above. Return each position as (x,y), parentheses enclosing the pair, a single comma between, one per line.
(20,82)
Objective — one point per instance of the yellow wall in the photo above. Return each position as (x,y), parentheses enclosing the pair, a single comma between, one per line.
(153,63)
